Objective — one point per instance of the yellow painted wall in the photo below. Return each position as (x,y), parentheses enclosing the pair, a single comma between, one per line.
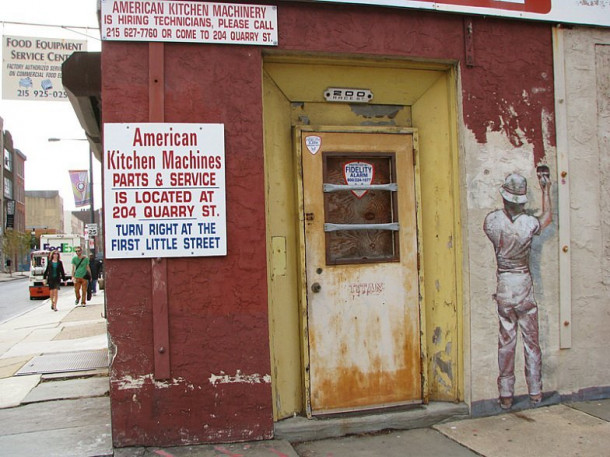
(434,117)
(283,269)
(405,94)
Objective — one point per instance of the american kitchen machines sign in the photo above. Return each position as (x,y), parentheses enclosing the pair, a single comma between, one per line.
(164,190)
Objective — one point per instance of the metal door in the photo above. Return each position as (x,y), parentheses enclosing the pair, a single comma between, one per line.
(361,264)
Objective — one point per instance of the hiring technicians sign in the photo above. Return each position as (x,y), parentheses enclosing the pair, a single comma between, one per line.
(164,190)
(189,22)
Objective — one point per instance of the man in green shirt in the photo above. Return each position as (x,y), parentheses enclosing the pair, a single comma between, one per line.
(80,275)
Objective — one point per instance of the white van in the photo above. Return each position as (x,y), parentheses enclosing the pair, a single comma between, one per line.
(38,264)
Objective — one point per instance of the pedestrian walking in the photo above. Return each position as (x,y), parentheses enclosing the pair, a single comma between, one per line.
(81,274)
(511,231)
(54,274)
(95,266)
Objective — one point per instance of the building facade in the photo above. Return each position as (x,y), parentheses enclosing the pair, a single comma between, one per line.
(13,198)
(308,316)
(45,211)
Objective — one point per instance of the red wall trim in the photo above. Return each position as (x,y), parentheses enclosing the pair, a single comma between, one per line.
(156,108)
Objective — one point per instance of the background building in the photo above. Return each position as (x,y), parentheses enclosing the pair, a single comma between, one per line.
(13,203)
(45,211)
(73,223)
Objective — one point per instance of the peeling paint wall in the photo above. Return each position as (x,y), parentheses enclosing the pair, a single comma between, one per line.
(484,177)
(510,88)
(584,365)
(514,132)
(508,114)
(508,126)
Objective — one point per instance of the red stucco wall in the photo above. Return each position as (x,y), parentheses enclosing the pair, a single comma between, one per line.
(218,306)
(511,89)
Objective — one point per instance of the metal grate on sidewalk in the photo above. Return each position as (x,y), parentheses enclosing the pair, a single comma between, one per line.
(65,362)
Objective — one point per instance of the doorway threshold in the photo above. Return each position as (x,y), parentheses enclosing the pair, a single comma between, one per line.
(299,429)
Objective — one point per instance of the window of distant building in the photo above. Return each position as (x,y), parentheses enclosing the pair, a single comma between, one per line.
(8,187)
(8,160)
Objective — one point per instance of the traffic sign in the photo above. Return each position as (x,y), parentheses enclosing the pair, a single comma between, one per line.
(92,229)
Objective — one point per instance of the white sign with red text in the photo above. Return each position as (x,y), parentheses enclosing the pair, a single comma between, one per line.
(189,22)
(589,12)
(164,190)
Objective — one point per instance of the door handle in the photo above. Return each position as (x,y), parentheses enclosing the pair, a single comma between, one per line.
(316,287)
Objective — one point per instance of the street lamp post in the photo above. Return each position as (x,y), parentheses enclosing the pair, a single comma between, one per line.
(90,180)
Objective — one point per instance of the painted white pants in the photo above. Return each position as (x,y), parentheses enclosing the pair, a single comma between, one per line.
(517,308)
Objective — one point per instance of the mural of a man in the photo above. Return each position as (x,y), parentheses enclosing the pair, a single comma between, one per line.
(511,231)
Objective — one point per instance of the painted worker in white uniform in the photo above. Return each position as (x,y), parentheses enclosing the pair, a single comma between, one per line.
(511,231)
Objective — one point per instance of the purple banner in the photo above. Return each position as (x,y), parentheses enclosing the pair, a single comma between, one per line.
(80,187)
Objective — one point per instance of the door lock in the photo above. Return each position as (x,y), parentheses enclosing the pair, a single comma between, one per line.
(316,287)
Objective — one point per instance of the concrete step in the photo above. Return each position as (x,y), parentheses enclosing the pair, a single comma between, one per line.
(298,429)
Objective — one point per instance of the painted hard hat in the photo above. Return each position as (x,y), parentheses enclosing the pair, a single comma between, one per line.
(514,189)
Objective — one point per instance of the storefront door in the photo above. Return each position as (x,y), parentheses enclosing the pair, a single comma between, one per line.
(361,263)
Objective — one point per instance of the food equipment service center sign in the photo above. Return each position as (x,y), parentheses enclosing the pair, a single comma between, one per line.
(31,67)
(164,190)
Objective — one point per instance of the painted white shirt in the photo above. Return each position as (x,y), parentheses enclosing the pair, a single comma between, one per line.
(512,239)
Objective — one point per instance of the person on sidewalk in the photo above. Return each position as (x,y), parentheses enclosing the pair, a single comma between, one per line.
(511,230)
(81,273)
(94,265)
(54,274)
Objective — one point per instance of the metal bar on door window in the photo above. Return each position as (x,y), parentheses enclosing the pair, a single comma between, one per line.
(392,187)
(393,226)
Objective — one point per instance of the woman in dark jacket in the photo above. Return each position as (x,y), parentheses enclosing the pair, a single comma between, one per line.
(54,274)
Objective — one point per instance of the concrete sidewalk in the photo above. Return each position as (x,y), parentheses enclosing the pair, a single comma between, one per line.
(54,380)
(54,402)
(4,276)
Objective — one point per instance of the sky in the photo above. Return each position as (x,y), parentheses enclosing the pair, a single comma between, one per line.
(32,123)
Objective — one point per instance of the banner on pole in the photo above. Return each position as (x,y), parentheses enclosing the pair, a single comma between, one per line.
(80,187)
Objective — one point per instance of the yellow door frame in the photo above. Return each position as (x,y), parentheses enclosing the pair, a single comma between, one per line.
(290,84)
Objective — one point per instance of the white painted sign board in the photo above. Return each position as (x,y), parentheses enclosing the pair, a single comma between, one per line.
(587,12)
(164,190)
(31,67)
(189,22)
